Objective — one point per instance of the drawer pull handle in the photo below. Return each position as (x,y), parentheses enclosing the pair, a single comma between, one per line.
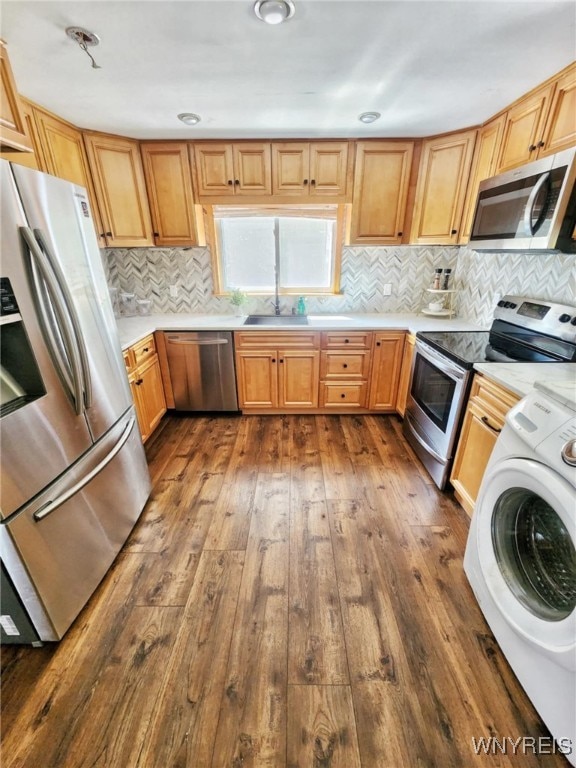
(138,382)
(344,365)
(146,349)
(342,395)
(273,359)
(378,343)
(346,341)
(494,429)
(281,360)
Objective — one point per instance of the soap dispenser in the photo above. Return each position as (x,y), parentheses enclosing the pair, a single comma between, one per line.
(301,307)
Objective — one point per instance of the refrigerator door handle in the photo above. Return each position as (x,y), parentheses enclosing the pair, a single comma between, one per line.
(58,333)
(72,314)
(52,505)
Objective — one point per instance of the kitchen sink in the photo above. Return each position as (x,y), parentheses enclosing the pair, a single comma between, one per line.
(276,320)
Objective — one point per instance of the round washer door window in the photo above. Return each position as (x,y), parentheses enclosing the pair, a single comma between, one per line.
(535,553)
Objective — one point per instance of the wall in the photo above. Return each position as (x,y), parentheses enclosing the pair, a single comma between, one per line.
(478,277)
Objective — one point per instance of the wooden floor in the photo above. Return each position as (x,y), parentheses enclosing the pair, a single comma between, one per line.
(293,595)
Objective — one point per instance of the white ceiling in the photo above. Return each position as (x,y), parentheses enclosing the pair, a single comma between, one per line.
(428,66)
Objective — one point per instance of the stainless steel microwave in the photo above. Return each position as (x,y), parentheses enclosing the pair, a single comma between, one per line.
(527,208)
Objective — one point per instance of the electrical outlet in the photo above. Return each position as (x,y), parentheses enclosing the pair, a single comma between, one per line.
(387,289)
(173,291)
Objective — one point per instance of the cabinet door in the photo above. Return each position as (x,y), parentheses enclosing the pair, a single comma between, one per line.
(381,183)
(169,184)
(13,135)
(118,178)
(560,130)
(441,189)
(32,159)
(483,167)
(328,168)
(146,385)
(64,155)
(252,169)
(290,168)
(257,374)
(405,372)
(214,169)
(298,378)
(523,130)
(477,440)
(387,360)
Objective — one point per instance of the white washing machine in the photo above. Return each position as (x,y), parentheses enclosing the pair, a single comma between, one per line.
(521,556)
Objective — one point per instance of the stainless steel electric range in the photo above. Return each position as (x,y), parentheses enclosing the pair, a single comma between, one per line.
(523,330)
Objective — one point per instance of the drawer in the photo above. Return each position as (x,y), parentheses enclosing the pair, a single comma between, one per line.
(485,393)
(341,365)
(144,349)
(343,394)
(346,339)
(277,339)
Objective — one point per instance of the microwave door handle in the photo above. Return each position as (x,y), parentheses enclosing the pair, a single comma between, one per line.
(57,330)
(72,314)
(528,226)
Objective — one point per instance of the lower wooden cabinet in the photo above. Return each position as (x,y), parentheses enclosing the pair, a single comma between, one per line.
(405,371)
(145,380)
(345,369)
(483,421)
(387,353)
(277,370)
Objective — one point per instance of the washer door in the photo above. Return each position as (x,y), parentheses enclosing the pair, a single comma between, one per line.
(526,521)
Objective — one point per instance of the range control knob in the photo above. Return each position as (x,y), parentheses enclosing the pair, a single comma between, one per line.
(512,305)
(564,318)
(501,303)
(573,321)
(568,453)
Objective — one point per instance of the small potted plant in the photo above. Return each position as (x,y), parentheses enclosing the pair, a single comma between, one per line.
(238,298)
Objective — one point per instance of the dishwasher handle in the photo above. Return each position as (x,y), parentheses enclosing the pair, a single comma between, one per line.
(197,342)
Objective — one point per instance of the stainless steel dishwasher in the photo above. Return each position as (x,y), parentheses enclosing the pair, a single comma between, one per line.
(201,367)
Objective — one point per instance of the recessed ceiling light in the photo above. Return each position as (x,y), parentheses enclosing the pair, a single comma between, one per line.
(274,11)
(189,118)
(369,117)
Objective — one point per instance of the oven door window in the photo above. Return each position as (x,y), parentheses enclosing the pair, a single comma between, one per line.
(535,554)
(433,390)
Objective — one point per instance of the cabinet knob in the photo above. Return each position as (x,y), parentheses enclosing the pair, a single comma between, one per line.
(400,234)
(378,343)
(532,147)
(305,182)
(146,349)
(454,232)
(273,359)
(346,341)
(344,365)
(138,382)
(281,360)
(342,395)
(108,234)
(540,144)
(313,181)
(230,182)
(155,234)
(237,182)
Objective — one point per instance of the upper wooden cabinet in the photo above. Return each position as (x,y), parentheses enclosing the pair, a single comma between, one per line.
(116,168)
(223,170)
(63,154)
(560,129)
(524,130)
(316,169)
(441,189)
(169,185)
(29,159)
(483,167)
(381,183)
(13,134)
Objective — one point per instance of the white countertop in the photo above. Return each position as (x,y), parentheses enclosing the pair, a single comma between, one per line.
(521,378)
(132,329)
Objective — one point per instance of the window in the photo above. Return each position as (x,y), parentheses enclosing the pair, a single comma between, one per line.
(295,247)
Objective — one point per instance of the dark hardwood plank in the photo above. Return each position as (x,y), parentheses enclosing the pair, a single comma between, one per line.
(340,480)
(321,730)
(252,727)
(187,707)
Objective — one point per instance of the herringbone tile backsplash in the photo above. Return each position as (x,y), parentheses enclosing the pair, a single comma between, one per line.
(479,278)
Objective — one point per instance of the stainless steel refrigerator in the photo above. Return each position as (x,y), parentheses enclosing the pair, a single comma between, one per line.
(73,472)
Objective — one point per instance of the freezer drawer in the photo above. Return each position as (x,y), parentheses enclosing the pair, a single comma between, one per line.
(57,549)
(201,367)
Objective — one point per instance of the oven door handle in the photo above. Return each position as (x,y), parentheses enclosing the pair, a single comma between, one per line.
(439,360)
(423,443)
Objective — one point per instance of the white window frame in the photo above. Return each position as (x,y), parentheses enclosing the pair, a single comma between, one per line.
(337,212)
